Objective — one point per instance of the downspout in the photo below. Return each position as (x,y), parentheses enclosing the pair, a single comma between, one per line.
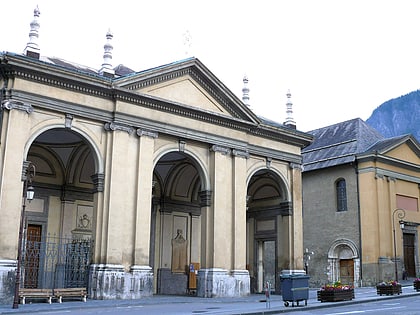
(356,169)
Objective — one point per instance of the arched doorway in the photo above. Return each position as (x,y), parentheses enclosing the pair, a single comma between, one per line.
(176,223)
(344,262)
(267,232)
(59,221)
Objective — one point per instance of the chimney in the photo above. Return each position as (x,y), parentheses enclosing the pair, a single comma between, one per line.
(106,69)
(290,123)
(32,48)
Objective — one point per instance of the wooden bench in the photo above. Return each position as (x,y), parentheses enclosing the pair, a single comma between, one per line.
(36,294)
(70,292)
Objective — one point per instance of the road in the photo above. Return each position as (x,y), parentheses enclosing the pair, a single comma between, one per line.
(406,306)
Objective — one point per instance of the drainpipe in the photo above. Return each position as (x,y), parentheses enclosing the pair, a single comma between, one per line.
(356,170)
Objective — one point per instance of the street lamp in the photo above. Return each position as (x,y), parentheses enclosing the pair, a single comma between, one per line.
(400,215)
(28,194)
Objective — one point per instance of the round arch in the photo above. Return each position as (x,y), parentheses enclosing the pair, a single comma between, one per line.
(99,163)
(342,247)
(201,167)
(278,174)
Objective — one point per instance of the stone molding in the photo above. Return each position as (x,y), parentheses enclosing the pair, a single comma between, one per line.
(98,182)
(221,149)
(113,126)
(205,198)
(69,121)
(9,105)
(240,153)
(147,133)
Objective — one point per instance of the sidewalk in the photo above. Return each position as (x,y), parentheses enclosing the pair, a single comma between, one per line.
(250,305)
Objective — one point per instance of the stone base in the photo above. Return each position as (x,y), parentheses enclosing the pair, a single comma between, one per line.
(172,283)
(7,281)
(109,282)
(216,282)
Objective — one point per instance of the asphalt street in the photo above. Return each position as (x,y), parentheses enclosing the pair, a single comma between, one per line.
(174,305)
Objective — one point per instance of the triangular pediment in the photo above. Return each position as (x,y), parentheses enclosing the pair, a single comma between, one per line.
(406,151)
(188,83)
(185,90)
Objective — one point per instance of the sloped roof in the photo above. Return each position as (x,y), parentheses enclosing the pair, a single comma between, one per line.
(338,144)
(386,144)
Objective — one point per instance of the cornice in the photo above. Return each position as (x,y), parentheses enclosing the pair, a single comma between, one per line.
(80,82)
(388,161)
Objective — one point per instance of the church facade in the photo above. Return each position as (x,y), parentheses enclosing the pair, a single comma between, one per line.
(159,182)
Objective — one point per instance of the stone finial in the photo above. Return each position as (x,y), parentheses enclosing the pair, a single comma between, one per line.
(107,69)
(32,47)
(290,122)
(245,91)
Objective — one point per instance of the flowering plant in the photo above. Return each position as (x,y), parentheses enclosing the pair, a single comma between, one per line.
(336,286)
(417,280)
(389,283)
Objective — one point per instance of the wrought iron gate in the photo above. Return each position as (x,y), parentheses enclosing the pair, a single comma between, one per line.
(54,262)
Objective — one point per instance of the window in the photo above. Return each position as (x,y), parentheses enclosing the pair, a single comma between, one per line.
(341,195)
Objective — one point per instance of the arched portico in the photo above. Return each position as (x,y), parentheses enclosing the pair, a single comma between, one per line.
(268,209)
(178,197)
(58,222)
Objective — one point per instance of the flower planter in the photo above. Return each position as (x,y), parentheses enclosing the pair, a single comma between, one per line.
(335,295)
(416,285)
(388,289)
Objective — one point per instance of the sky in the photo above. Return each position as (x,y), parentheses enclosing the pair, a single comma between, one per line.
(340,59)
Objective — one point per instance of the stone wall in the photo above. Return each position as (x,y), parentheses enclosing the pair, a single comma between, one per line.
(7,281)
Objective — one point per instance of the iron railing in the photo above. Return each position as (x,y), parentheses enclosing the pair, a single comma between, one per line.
(55,262)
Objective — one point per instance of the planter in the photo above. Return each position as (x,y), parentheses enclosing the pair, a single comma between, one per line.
(335,295)
(388,289)
(416,285)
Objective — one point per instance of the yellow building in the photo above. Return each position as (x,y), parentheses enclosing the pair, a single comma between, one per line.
(357,187)
(158,181)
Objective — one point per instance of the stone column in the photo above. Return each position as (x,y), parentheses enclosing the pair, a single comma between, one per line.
(220,279)
(121,269)
(242,284)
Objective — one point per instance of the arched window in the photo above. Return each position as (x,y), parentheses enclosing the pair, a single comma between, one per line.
(341,194)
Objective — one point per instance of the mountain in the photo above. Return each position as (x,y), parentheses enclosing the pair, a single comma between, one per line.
(398,116)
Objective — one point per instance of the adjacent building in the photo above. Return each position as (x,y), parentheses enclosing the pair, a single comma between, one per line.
(357,187)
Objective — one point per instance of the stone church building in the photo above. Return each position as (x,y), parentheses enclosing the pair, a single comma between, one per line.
(153,182)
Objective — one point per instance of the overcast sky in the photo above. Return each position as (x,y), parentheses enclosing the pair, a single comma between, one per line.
(340,59)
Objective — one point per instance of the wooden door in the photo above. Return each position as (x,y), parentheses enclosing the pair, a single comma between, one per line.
(346,271)
(32,254)
(409,264)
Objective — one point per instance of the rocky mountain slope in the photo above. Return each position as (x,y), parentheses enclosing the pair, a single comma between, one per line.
(398,116)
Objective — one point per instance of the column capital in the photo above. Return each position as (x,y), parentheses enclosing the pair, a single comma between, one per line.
(147,133)
(113,126)
(221,149)
(17,105)
(240,153)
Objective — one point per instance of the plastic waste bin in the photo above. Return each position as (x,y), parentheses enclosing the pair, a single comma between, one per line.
(294,288)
